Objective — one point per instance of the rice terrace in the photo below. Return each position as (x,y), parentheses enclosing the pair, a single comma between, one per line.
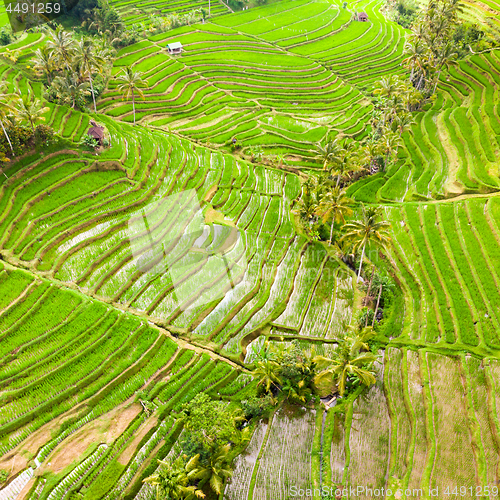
(249,249)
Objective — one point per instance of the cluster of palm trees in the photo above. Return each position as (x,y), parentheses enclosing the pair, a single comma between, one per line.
(323,202)
(288,370)
(70,66)
(295,374)
(182,478)
(343,157)
(351,363)
(394,101)
(430,49)
(19,111)
(369,229)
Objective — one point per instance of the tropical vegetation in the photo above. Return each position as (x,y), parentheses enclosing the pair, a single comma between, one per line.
(248,247)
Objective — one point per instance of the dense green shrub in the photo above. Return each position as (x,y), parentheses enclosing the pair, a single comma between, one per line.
(44,135)
(255,407)
(89,142)
(20,137)
(6,36)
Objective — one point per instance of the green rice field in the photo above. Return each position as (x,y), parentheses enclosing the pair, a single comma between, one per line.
(168,264)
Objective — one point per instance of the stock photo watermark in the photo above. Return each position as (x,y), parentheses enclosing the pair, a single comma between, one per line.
(331,492)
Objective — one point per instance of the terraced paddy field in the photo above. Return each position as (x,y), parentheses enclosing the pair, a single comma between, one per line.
(454,147)
(430,423)
(66,219)
(224,85)
(164,264)
(141,12)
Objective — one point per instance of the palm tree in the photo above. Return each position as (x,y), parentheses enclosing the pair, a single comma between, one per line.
(348,361)
(344,251)
(88,60)
(172,479)
(367,230)
(341,160)
(390,144)
(5,109)
(403,122)
(307,206)
(327,154)
(31,109)
(446,58)
(388,86)
(395,106)
(62,44)
(371,151)
(216,468)
(415,54)
(266,371)
(335,206)
(132,80)
(267,354)
(44,61)
(69,89)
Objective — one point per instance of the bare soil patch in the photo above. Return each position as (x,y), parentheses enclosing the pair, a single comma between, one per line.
(104,429)
(128,452)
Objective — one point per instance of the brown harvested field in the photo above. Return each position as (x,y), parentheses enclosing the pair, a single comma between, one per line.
(244,465)
(369,440)
(129,451)
(17,460)
(454,463)
(104,429)
(286,461)
(400,421)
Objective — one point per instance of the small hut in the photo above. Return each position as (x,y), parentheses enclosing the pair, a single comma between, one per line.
(174,48)
(97,132)
(363,17)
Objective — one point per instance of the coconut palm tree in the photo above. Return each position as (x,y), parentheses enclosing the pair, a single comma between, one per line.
(371,150)
(173,478)
(367,230)
(446,58)
(296,392)
(403,123)
(341,160)
(132,81)
(45,62)
(62,44)
(267,372)
(31,109)
(348,362)
(88,60)
(390,144)
(6,108)
(415,53)
(307,206)
(216,468)
(335,206)
(69,90)
(388,86)
(267,354)
(344,251)
(328,153)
